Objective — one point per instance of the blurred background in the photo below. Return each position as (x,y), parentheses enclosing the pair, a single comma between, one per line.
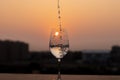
(15,57)
(93,27)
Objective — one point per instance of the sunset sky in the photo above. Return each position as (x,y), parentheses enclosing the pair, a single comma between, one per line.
(91,24)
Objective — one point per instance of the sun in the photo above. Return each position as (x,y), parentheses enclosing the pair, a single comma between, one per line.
(56,33)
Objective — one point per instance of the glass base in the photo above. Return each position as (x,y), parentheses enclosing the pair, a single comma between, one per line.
(58,79)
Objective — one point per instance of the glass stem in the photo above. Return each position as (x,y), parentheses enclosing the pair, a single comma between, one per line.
(59,65)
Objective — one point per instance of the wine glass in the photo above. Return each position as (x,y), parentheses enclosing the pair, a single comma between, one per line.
(59,45)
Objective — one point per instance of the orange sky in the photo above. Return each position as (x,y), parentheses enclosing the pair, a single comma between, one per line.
(91,24)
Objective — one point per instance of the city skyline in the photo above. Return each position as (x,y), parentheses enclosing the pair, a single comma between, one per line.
(91,24)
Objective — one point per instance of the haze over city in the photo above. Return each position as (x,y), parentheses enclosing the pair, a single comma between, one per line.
(91,24)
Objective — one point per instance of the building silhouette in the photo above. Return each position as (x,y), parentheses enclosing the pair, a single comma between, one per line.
(95,57)
(13,52)
(115,54)
(15,57)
